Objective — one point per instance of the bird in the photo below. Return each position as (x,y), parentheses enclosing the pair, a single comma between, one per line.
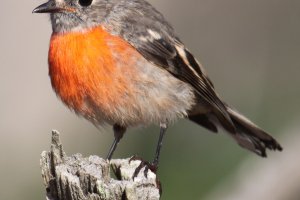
(120,62)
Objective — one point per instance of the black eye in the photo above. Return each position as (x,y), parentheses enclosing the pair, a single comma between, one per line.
(85,2)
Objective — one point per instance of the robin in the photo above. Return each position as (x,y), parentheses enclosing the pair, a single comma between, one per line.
(120,62)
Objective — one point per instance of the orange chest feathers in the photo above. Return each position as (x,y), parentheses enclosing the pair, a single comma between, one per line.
(91,70)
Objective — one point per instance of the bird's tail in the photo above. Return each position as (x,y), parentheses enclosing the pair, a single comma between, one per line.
(248,135)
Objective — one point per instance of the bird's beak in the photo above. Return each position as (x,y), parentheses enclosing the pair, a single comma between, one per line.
(51,7)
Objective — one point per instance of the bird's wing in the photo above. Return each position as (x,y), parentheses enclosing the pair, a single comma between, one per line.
(177,60)
(147,30)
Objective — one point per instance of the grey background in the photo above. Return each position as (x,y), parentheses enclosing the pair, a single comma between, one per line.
(250,49)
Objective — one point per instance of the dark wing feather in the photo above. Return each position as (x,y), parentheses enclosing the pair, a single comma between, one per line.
(160,52)
(204,121)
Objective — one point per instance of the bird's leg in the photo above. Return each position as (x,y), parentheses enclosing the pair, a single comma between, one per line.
(118,133)
(163,130)
(154,165)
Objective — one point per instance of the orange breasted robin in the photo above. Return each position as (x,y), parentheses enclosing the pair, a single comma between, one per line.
(120,62)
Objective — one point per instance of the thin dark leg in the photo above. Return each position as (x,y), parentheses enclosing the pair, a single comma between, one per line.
(163,130)
(154,165)
(118,133)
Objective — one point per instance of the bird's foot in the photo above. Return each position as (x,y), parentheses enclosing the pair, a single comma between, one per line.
(148,166)
(153,167)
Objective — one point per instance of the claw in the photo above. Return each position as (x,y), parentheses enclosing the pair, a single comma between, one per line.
(153,167)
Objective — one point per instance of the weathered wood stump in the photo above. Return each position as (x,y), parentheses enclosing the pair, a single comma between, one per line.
(78,178)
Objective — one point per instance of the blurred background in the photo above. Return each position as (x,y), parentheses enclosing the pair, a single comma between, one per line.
(251,50)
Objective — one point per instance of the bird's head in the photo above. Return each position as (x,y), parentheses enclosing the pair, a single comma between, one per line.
(74,15)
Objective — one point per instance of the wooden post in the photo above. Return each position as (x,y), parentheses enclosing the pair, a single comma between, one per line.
(77,178)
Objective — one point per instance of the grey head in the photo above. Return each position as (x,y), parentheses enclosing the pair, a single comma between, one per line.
(76,15)
(127,18)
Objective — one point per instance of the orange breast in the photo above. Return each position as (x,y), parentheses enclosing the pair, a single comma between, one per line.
(91,71)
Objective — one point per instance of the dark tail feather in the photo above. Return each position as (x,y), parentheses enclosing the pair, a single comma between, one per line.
(250,136)
(246,133)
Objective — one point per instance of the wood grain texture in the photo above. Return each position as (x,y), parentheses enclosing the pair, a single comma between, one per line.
(78,178)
